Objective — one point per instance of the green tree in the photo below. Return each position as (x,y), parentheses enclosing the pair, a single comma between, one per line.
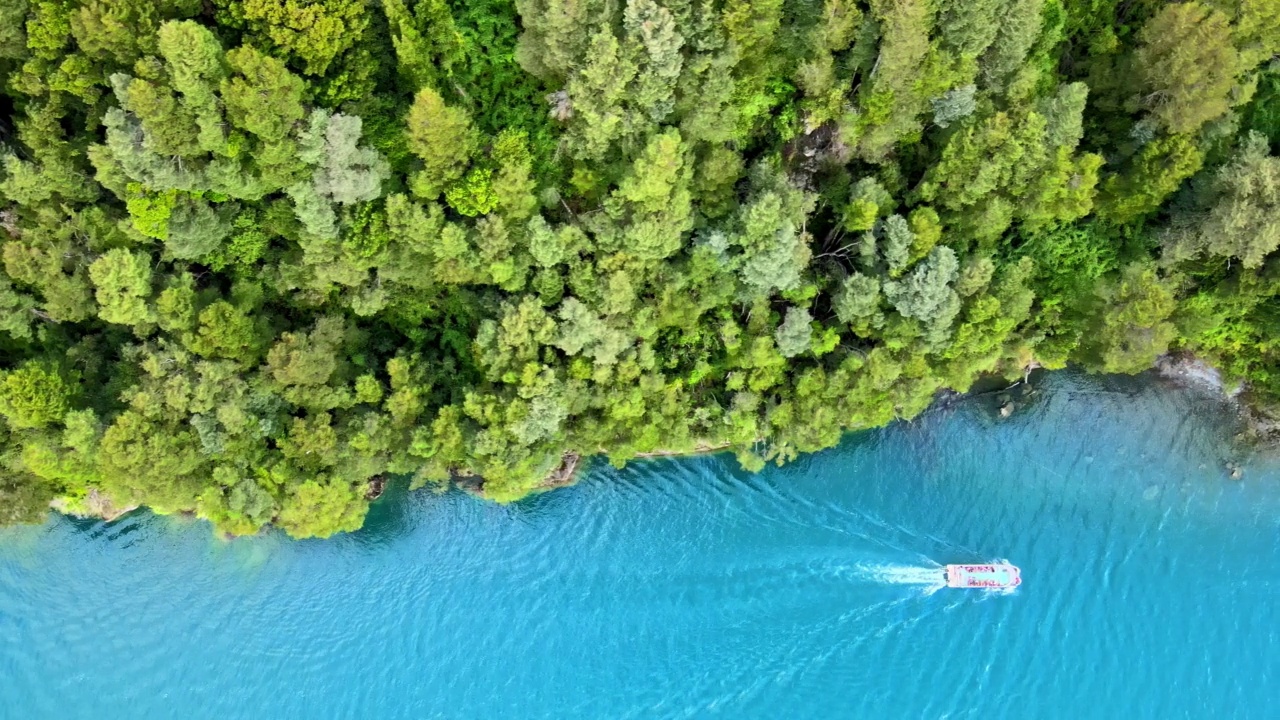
(1021,23)
(1134,326)
(926,293)
(1151,176)
(795,333)
(122,279)
(346,173)
(307,359)
(1186,65)
(34,395)
(321,508)
(426,40)
(311,32)
(1240,218)
(442,137)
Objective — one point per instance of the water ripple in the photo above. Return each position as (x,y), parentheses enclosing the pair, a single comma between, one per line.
(688,588)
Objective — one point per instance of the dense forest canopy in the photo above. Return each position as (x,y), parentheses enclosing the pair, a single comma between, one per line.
(257,253)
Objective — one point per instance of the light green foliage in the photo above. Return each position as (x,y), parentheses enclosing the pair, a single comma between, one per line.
(195,66)
(858,298)
(1134,327)
(1255,28)
(170,128)
(839,25)
(474,194)
(582,331)
(50,167)
(307,359)
(425,38)
(898,242)
(311,32)
(262,98)
(320,508)
(891,102)
(115,31)
(867,201)
(150,211)
(227,331)
(592,102)
(775,252)
(34,395)
(142,458)
(1157,171)
(313,210)
(16,311)
(968,27)
(13,35)
(442,137)
(122,282)
(235,504)
(653,28)
(823,82)
(926,230)
(555,34)
(1005,168)
(654,199)
(196,229)
(513,185)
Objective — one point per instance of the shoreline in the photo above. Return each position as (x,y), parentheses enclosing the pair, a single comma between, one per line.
(1184,370)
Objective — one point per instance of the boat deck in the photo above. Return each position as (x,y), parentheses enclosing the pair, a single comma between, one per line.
(991,575)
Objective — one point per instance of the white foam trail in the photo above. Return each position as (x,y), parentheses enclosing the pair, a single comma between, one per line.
(928,576)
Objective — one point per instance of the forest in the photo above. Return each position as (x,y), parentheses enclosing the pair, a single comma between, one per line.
(259,255)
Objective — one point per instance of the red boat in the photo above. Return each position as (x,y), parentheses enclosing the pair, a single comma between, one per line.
(998,575)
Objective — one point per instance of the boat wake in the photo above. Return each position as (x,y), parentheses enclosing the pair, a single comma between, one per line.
(927,577)
(930,577)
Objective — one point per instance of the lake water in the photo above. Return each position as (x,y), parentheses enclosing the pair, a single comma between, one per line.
(687,588)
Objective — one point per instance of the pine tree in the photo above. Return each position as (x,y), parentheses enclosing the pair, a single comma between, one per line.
(1186,65)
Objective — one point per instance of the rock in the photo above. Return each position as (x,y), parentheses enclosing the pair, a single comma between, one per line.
(1191,371)
(94,504)
(562,475)
(1234,471)
(1006,410)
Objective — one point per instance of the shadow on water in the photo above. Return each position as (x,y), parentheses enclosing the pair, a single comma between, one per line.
(394,515)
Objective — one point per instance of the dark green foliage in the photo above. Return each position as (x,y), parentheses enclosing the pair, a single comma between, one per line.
(259,253)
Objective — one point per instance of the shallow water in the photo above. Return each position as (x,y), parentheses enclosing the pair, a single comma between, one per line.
(687,588)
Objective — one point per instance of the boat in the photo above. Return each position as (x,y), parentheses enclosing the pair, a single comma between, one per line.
(991,575)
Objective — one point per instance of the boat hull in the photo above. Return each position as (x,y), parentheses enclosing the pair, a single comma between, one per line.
(983,576)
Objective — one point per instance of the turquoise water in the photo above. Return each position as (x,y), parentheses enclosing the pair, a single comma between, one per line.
(687,588)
